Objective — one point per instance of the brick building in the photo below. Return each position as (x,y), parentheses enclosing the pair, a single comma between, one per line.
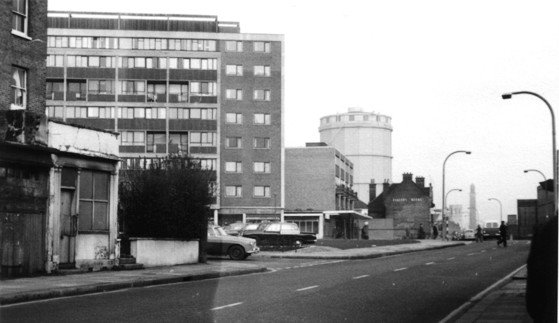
(58,192)
(177,84)
(401,208)
(319,191)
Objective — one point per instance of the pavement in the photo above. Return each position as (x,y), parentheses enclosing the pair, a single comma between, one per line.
(501,302)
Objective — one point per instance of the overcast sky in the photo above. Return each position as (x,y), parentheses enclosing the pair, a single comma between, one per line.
(438,68)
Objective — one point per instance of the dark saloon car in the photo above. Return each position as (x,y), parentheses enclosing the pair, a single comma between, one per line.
(280,234)
(237,248)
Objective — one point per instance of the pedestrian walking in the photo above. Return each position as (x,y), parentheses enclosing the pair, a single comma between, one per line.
(503,234)
(435,232)
(479,234)
(365,231)
(421,232)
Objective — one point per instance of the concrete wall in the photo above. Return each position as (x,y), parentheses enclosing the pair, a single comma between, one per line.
(381,229)
(80,140)
(153,252)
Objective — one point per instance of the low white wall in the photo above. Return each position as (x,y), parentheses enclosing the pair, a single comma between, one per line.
(163,252)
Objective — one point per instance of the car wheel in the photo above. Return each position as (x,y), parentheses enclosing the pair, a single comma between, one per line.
(298,243)
(236,253)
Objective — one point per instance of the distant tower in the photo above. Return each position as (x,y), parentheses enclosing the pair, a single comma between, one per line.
(366,139)
(473,208)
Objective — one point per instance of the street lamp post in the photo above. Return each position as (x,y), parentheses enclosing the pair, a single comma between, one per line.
(537,171)
(500,207)
(555,181)
(444,194)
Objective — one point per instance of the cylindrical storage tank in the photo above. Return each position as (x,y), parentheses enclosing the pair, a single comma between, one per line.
(366,139)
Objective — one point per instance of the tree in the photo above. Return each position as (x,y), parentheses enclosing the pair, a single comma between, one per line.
(168,199)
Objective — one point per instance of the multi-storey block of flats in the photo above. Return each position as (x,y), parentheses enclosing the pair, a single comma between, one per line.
(178,84)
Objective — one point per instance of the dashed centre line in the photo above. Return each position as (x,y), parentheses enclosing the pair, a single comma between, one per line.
(430,263)
(306,288)
(225,306)
(359,277)
(451,258)
(400,269)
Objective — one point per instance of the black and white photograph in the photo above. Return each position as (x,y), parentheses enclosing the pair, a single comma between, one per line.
(279,161)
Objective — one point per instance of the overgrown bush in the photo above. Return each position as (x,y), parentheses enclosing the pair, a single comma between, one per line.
(169,199)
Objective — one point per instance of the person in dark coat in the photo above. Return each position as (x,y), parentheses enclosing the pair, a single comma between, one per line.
(435,232)
(421,232)
(541,285)
(365,231)
(503,234)
(479,234)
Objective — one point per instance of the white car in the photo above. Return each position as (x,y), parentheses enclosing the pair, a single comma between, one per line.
(468,235)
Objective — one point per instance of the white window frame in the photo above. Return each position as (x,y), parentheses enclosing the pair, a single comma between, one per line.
(267,141)
(233,191)
(266,95)
(19,87)
(238,140)
(262,167)
(234,118)
(266,119)
(234,70)
(262,191)
(25,17)
(262,70)
(266,46)
(233,167)
(234,94)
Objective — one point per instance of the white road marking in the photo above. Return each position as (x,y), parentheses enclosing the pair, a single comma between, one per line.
(362,276)
(225,306)
(400,269)
(471,254)
(452,258)
(307,288)
(483,250)
(430,263)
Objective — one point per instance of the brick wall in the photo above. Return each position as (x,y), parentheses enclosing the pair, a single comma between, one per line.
(26,53)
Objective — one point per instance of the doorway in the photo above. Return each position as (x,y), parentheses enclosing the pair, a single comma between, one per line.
(68,226)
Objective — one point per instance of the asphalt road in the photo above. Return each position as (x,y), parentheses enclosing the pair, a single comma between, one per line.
(417,287)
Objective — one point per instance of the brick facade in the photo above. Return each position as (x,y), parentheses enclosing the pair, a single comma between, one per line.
(408,203)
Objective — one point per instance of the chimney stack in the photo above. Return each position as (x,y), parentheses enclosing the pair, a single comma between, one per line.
(420,181)
(407,176)
(385,185)
(372,190)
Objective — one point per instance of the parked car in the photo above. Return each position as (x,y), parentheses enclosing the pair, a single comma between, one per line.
(280,234)
(468,235)
(237,248)
(234,228)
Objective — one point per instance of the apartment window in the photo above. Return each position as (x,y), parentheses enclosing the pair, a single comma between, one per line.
(262,95)
(178,143)
(157,92)
(261,143)
(233,142)
(261,191)
(133,87)
(236,118)
(203,139)
(262,118)
(19,88)
(76,112)
(199,63)
(234,191)
(208,163)
(125,113)
(55,90)
(260,46)
(178,113)
(55,60)
(262,167)
(173,63)
(94,201)
(236,70)
(233,167)
(262,70)
(203,88)
(133,138)
(19,16)
(156,143)
(233,46)
(55,112)
(100,87)
(234,94)
(178,92)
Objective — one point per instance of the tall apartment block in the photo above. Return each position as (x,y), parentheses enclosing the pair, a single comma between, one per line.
(177,84)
